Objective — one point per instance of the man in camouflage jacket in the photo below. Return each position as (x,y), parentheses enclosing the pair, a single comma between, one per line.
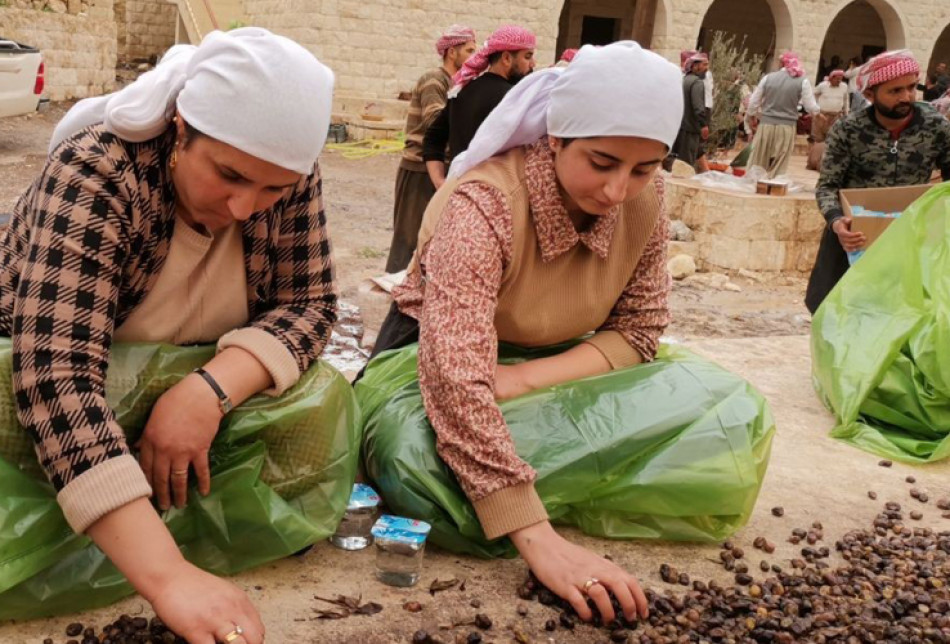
(894,142)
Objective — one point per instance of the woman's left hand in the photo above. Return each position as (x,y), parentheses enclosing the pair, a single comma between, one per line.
(177,437)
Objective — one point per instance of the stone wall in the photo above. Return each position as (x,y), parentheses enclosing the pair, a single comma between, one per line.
(737,231)
(378,48)
(77,38)
(148,26)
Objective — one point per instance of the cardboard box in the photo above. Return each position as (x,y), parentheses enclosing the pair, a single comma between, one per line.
(879,199)
(772,187)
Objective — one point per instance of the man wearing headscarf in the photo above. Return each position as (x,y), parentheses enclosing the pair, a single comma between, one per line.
(709,95)
(832,97)
(414,188)
(775,102)
(506,58)
(695,125)
(894,142)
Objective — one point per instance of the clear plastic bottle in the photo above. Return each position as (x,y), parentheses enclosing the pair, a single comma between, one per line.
(400,547)
(355,529)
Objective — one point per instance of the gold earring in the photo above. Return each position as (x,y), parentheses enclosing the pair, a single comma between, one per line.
(174,160)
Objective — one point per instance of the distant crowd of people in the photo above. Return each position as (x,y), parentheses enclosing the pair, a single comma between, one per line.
(772,114)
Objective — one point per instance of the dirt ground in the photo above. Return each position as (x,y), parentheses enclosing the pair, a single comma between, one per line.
(758,332)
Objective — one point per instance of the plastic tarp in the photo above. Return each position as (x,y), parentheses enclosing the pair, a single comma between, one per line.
(674,449)
(282,471)
(881,339)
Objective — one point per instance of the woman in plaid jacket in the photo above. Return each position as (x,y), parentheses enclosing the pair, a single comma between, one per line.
(184,209)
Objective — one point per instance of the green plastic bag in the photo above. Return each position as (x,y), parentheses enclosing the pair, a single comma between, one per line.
(282,471)
(881,339)
(674,449)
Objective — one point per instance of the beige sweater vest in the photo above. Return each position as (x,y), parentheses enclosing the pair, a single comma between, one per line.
(542,303)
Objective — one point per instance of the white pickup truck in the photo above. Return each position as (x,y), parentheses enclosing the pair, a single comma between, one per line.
(22,78)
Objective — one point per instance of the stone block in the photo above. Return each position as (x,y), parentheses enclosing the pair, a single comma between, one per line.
(724,252)
(810,223)
(766,255)
(683,248)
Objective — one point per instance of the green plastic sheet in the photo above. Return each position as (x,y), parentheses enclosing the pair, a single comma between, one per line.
(282,471)
(880,341)
(674,449)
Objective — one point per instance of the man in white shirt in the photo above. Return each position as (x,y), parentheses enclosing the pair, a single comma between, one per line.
(832,97)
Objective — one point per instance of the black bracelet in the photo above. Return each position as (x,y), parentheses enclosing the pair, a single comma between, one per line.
(224,401)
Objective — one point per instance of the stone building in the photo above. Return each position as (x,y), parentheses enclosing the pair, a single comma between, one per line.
(144,28)
(83,40)
(77,39)
(379,47)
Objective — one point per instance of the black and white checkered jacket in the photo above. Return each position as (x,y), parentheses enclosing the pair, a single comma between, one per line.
(85,245)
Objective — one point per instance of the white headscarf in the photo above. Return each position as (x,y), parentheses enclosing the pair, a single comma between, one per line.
(617,90)
(259,92)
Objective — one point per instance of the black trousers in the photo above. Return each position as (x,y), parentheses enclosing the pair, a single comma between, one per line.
(830,266)
(398,330)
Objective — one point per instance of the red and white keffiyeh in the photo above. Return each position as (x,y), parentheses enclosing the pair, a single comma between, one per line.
(506,38)
(886,67)
(453,37)
(792,64)
(568,55)
(689,58)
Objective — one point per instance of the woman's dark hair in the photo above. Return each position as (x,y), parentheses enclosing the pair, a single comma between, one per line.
(191,133)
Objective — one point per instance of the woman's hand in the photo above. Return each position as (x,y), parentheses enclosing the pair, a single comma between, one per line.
(565,568)
(511,381)
(180,429)
(205,609)
(195,604)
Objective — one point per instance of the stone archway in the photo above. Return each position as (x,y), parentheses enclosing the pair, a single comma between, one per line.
(765,25)
(941,51)
(598,22)
(860,29)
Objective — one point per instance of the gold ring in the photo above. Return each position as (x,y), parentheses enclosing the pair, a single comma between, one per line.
(233,635)
(180,472)
(590,582)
